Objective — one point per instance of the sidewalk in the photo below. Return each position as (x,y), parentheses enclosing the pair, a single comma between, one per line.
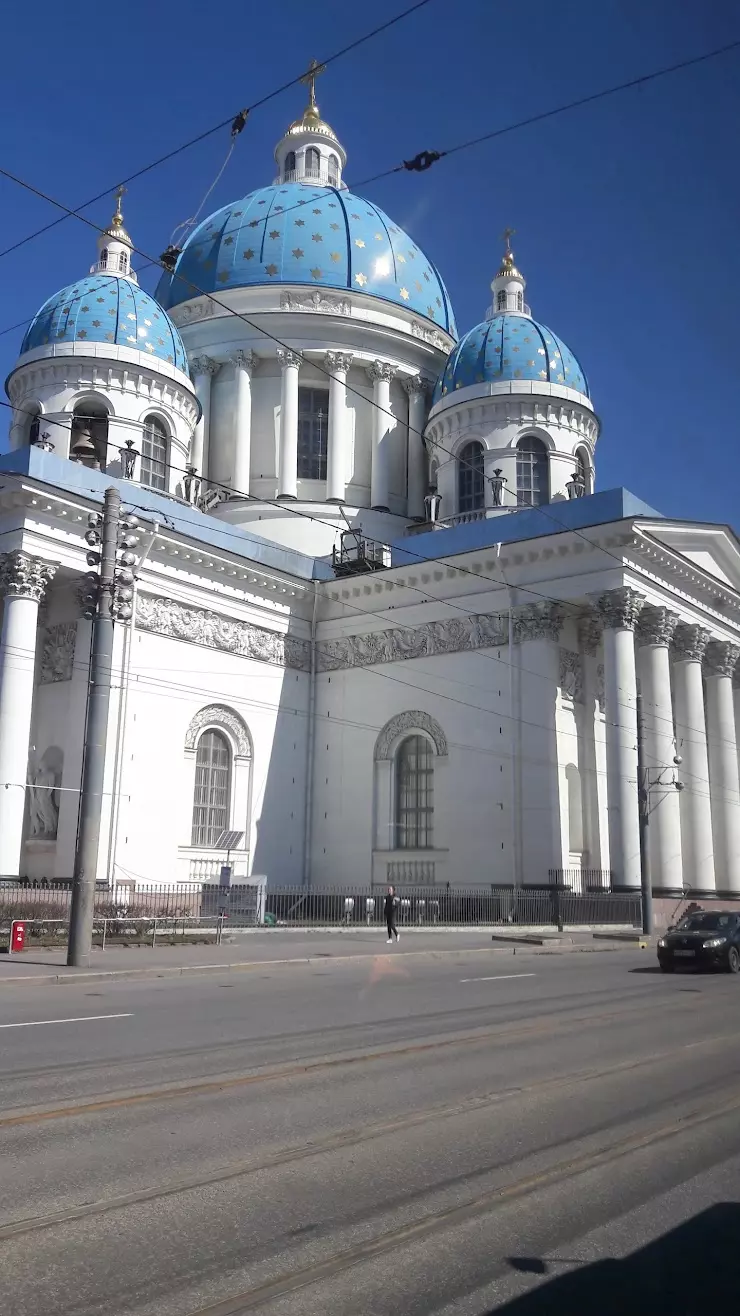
(258,949)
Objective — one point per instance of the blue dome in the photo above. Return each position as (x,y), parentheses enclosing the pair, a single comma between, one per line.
(510,346)
(104,308)
(324,237)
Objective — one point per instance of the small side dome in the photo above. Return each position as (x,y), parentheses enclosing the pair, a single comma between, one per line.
(105,309)
(506,347)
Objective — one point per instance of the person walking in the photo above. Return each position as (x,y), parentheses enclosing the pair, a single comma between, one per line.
(389,909)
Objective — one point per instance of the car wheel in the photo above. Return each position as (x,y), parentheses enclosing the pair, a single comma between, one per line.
(667,968)
(733,960)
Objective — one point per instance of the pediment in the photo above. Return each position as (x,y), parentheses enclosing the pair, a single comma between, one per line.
(714,549)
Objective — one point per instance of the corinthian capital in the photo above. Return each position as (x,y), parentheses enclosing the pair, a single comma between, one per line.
(415,384)
(620,608)
(25,577)
(538,621)
(721,658)
(338,362)
(381,370)
(245,361)
(589,632)
(689,642)
(205,365)
(288,358)
(656,625)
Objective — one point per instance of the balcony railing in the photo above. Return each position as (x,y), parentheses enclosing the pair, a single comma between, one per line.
(323,177)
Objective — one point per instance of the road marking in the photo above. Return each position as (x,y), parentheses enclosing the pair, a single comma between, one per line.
(81,1019)
(499,977)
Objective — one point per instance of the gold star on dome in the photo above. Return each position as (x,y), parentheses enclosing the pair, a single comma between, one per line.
(430,312)
(223,276)
(316,237)
(275,233)
(148,324)
(111,311)
(354,216)
(517,374)
(560,379)
(515,349)
(359,242)
(417,285)
(426,275)
(405,294)
(149,347)
(248,254)
(334,255)
(378,237)
(438,301)
(335,227)
(543,374)
(84,308)
(235,212)
(553,363)
(526,340)
(300,223)
(317,210)
(271,270)
(100,299)
(130,316)
(530,364)
(278,210)
(412,255)
(161,342)
(541,351)
(109,337)
(228,241)
(401,259)
(254,223)
(316,274)
(96,324)
(82,333)
(361,279)
(298,253)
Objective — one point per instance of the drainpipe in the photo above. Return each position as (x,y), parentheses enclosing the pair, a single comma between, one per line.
(310,738)
(122,711)
(514,737)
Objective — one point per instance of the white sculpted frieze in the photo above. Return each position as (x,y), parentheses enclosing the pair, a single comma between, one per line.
(57,656)
(166,617)
(434,637)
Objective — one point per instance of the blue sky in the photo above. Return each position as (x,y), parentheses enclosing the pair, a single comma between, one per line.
(626,211)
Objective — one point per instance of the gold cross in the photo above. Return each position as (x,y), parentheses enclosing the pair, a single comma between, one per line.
(314,71)
(507,235)
(118,217)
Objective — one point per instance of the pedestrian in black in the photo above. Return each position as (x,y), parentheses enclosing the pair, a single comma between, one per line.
(389,909)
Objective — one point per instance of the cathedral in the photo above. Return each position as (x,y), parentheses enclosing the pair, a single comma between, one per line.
(374,617)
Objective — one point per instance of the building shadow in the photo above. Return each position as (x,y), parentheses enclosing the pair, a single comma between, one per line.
(691,1271)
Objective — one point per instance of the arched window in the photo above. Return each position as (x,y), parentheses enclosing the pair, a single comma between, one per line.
(333,171)
(34,430)
(532,474)
(154,454)
(470,488)
(520,301)
(103,262)
(583,472)
(501,300)
(414,794)
(289,166)
(313,419)
(123,262)
(212,798)
(313,162)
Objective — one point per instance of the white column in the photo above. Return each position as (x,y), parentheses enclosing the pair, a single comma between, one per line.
(416,387)
(337,363)
(203,368)
(620,609)
(288,460)
(536,629)
(381,373)
(23,580)
(724,786)
(736,701)
(689,643)
(654,633)
(589,638)
(244,363)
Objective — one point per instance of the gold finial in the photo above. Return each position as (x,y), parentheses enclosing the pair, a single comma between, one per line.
(118,216)
(309,78)
(507,263)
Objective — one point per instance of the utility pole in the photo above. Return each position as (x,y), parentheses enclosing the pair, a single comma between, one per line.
(643,799)
(98,703)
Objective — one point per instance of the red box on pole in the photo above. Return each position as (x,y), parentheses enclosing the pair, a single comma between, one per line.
(17,937)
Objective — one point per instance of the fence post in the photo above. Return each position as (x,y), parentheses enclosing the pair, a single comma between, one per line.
(154,933)
(105,929)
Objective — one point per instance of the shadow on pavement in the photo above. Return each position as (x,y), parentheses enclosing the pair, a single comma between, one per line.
(691,1271)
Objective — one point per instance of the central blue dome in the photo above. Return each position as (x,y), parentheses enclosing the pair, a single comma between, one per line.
(323,237)
(510,346)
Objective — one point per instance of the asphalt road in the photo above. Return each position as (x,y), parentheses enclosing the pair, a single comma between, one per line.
(395,1135)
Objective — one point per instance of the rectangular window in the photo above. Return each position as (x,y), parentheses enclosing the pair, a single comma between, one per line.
(313,421)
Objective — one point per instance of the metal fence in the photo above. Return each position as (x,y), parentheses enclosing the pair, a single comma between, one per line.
(46,906)
(582,881)
(480,906)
